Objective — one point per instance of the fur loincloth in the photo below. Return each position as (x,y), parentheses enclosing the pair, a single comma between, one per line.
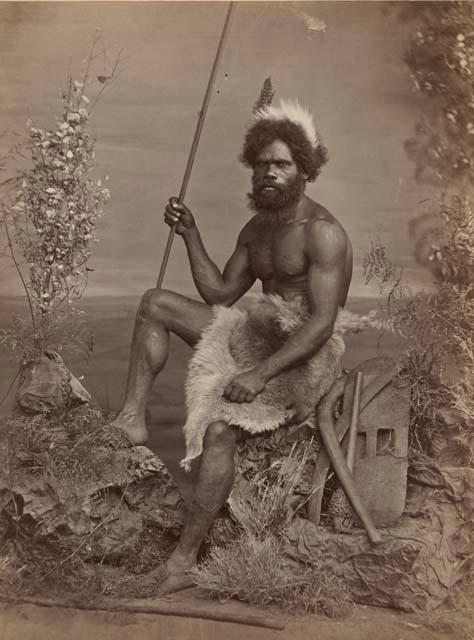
(239,338)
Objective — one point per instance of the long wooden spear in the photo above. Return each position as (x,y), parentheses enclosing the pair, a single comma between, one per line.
(195,143)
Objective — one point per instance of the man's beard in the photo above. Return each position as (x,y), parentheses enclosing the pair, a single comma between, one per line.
(276,206)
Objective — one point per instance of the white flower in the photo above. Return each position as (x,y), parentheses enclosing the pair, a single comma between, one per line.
(69,154)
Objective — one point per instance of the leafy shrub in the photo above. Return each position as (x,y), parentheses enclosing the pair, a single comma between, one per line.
(50,212)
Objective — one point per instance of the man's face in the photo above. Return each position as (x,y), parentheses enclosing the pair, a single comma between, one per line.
(276,180)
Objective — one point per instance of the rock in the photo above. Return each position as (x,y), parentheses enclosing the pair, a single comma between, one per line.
(109,512)
(419,561)
(47,385)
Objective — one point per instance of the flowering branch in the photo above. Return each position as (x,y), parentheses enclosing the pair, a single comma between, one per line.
(52,219)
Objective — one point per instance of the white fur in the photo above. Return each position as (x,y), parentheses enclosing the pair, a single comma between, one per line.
(237,340)
(293,111)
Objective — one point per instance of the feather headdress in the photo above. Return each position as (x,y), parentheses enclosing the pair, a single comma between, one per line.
(291,110)
(267,93)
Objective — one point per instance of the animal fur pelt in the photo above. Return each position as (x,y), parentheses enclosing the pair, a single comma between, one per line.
(237,339)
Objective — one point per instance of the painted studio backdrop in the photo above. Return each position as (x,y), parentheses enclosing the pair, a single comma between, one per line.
(343,60)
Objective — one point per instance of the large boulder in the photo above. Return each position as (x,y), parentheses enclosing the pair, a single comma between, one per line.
(78,483)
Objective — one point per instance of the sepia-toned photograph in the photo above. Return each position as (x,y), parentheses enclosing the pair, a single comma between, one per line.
(237,320)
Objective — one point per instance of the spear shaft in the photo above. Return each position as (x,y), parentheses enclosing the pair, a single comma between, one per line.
(195,143)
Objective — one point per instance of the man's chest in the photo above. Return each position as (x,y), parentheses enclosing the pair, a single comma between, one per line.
(280,254)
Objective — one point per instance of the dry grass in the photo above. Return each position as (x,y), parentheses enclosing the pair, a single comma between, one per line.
(269,502)
(71,446)
(39,568)
(253,570)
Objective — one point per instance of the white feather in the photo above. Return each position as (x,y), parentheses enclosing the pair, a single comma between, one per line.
(291,110)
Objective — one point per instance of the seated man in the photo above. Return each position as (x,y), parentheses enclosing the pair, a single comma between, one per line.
(299,252)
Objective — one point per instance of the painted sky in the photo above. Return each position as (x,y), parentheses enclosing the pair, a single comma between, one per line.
(351,74)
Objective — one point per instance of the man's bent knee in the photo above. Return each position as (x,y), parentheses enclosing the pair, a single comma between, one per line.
(155,304)
(221,434)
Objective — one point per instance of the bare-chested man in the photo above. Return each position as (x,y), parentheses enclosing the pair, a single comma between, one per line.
(296,248)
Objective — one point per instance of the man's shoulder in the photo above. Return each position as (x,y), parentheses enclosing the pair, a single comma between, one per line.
(323,230)
(249,230)
(318,218)
(317,214)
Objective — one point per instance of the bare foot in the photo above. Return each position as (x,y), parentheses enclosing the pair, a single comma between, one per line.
(133,425)
(168,578)
(176,582)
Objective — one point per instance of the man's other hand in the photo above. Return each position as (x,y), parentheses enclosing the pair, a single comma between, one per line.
(179,215)
(245,387)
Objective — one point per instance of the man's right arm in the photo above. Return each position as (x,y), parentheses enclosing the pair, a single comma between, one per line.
(213,286)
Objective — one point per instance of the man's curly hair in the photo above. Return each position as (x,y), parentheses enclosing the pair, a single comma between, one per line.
(264,132)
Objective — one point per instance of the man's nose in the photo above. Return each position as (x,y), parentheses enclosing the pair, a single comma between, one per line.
(270,171)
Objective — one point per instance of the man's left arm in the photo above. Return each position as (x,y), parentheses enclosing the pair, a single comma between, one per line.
(326,250)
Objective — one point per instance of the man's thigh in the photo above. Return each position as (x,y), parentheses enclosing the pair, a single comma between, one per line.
(185,317)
